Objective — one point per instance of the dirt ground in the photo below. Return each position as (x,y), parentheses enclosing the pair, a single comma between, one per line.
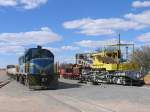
(74,97)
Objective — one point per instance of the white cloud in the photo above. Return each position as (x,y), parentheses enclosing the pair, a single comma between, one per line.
(26,4)
(144,37)
(140,4)
(97,27)
(63,48)
(97,44)
(14,42)
(72,48)
(141,18)
(43,36)
(11,49)
(30,4)
(8,2)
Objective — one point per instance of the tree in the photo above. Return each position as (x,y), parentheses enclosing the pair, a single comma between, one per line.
(141,57)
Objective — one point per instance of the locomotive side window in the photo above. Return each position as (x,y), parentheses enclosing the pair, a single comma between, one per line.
(27,58)
(21,60)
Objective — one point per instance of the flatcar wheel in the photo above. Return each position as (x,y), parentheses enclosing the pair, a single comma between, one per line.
(124,82)
(94,83)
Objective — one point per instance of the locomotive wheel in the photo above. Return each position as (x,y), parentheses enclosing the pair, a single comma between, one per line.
(20,79)
(26,82)
(94,83)
(17,78)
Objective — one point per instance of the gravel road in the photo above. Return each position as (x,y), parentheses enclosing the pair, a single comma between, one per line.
(74,97)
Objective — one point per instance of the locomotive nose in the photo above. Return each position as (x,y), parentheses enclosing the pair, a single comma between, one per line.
(42,66)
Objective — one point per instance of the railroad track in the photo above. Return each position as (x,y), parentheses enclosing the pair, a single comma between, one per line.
(5,82)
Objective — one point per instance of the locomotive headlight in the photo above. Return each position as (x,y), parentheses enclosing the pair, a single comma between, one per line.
(43,73)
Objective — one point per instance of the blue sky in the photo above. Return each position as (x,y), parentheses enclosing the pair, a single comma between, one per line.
(70,26)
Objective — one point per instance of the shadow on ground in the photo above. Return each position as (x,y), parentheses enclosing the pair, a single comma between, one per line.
(64,85)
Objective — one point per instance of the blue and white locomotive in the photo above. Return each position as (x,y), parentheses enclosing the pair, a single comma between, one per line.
(36,69)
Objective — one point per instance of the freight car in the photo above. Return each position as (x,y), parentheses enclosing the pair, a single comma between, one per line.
(70,71)
(36,69)
(11,70)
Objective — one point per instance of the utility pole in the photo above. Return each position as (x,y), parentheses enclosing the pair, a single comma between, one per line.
(119,51)
(119,42)
(127,52)
(133,50)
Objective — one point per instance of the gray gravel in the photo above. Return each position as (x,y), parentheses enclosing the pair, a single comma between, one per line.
(74,97)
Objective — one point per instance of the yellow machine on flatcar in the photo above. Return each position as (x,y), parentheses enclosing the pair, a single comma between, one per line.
(110,61)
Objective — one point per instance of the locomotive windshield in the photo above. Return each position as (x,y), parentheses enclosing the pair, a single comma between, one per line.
(41,53)
(38,53)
